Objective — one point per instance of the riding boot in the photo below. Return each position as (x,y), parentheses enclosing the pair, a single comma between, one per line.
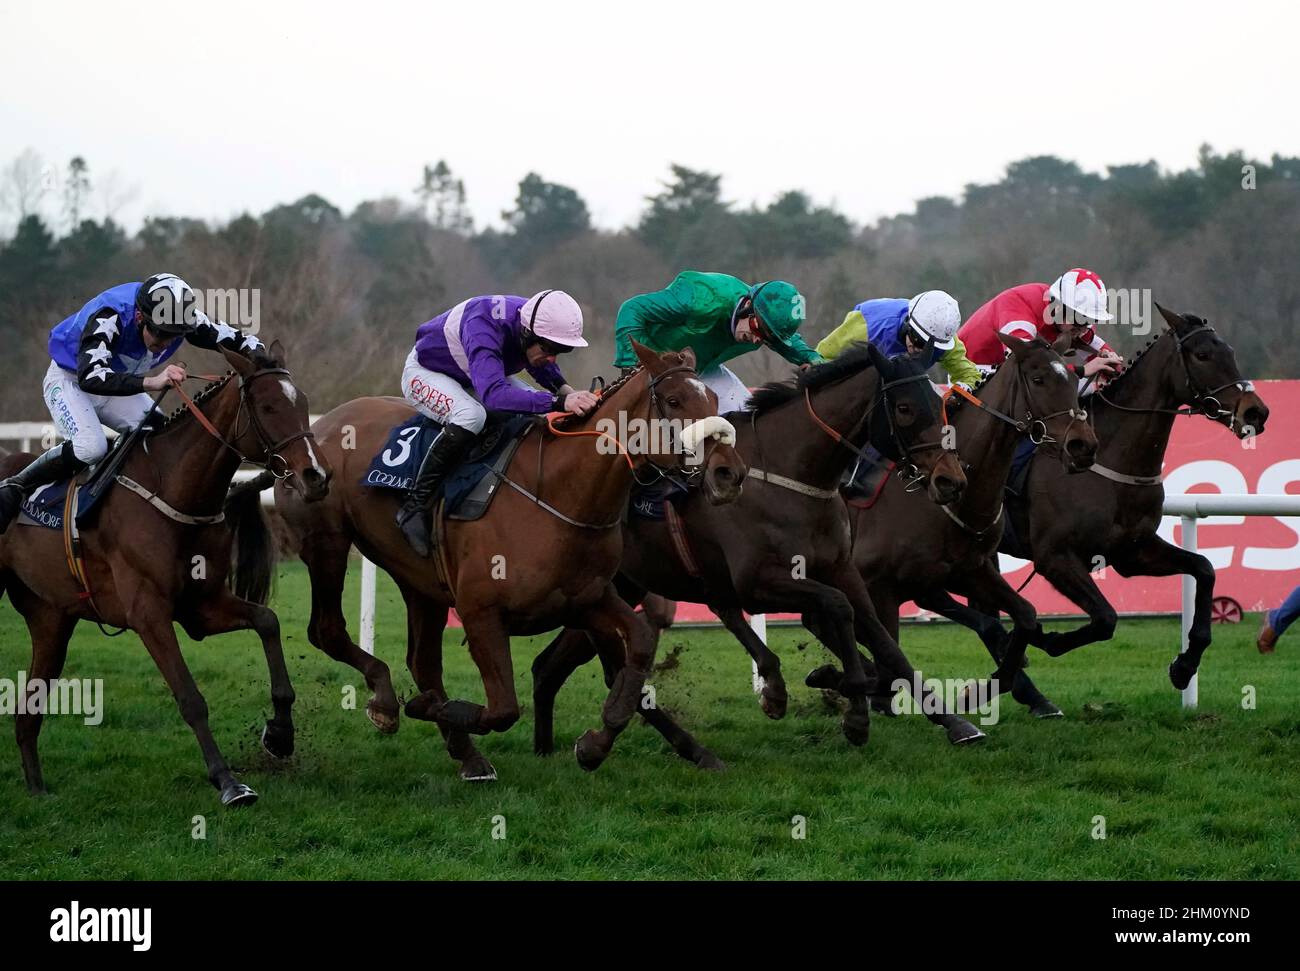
(446,452)
(57,464)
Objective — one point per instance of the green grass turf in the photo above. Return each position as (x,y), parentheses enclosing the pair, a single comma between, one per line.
(1206,795)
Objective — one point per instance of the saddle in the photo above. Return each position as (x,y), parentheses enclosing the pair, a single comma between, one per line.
(47,505)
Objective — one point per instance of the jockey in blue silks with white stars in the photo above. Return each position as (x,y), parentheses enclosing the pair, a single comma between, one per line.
(97,376)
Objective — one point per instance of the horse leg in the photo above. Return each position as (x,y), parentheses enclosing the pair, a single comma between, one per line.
(659,612)
(224,612)
(426,620)
(50,631)
(326,556)
(890,659)
(568,651)
(614,621)
(1067,572)
(155,629)
(772,693)
(1156,558)
(489,646)
(996,641)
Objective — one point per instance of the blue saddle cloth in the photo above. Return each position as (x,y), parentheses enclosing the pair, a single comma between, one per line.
(396,465)
(44,507)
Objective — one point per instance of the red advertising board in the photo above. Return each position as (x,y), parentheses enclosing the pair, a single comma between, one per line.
(1257,558)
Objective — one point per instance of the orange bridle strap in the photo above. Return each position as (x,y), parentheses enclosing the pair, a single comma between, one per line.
(957,389)
(553,416)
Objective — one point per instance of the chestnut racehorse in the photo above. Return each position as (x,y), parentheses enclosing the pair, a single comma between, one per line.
(146,569)
(543,556)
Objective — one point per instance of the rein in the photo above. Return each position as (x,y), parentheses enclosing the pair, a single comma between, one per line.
(1029,425)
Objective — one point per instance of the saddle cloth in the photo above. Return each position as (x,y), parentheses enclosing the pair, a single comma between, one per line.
(468,490)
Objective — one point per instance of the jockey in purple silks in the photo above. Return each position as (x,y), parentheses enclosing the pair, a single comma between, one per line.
(464,362)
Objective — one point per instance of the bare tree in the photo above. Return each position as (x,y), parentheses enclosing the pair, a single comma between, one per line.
(24,183)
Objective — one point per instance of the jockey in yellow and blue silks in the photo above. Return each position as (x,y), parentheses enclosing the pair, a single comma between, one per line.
(97,375)
(925,327)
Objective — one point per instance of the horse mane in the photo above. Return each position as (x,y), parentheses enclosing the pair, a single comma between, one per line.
(775,393)
(204,393)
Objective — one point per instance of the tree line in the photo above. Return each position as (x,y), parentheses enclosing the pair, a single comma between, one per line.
(346,291)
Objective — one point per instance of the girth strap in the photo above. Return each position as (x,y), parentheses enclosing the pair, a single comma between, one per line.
(551,509)
(681,545)
(794,485)
(1135,480)
(171,513)
(76,562)
(977,533)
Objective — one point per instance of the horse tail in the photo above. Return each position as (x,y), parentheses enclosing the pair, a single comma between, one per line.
(254,559)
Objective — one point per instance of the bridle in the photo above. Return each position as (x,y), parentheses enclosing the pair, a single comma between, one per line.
(1203,402)
(271,448)
(907,469)
(1032,425)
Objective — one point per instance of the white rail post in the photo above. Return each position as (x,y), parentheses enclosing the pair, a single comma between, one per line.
(758,622)
(1189,604)
(367,606)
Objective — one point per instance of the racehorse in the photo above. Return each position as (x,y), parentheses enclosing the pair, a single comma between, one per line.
(1071,525)
(543,556)
(784,545)
(157,552)
(912,550)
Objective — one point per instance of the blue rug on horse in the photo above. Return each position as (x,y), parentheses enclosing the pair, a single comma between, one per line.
(396,465)
(44,507)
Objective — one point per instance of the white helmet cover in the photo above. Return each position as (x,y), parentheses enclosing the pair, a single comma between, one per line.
(935,316)
(554,315)
(1083,292)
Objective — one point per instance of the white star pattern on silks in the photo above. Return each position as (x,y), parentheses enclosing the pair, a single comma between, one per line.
(202,320)
(251,343)
(225,332)
(99,372)
(99,354)
(108,327)
(173,283)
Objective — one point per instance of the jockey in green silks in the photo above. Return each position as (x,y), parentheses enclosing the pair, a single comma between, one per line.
(718,317)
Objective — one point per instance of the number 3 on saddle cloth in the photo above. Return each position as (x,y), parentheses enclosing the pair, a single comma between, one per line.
(468,490)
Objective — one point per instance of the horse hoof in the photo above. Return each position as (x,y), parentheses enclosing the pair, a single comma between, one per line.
(1181,672)
(588,751)
(962,732)
(826,677)
(238,794)
(711,763)
(1046,710)
(856,730)
(478,769)
(385,720)
(277,744)
(773,706)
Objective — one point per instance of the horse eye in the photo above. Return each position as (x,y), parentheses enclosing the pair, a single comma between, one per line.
(904,408)
(1038,379)
(1202,356)
(674,403)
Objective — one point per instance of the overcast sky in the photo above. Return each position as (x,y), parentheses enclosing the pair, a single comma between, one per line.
(214,108)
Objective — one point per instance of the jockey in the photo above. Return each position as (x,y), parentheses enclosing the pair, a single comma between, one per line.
(718,317)
(1074,304)
(924,327)
(100,356)
(463,362)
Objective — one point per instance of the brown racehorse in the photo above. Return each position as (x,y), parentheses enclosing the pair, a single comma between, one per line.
(784,546)
(1071,521)
(146,570)
(529,565)
(907,549)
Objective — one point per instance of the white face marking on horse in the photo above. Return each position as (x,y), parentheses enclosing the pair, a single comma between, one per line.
(699,386)
(290,391)
(1059,368)
(311,454)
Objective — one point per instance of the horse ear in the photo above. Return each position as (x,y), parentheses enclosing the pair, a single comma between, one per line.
(242,365)
(1175,322)
(688,357)
(276,350)
(648,358)
(1014,344)
(1063,344)
(878,359)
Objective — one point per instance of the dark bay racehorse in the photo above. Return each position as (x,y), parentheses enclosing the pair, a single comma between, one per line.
(784,545)
(1110,516)
(146,568)
(908,549)
(544,555)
